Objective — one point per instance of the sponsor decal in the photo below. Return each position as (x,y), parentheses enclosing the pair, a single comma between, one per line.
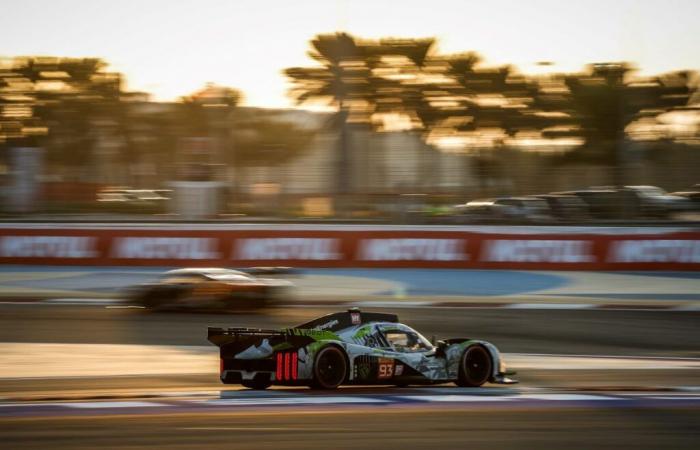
(314,334)
(164,248)
(362,332)
(316,249)
(327,325)
(48,247)
(372,340)
(385,369)
(398,371)
(365,337)
(363,370)
(655,250)
(412,250)
(355,318)
(537,251)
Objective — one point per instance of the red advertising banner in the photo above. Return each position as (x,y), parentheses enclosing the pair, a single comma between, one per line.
(347,246)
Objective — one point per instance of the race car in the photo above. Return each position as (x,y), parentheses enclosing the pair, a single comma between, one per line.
(352,347)
(210,288)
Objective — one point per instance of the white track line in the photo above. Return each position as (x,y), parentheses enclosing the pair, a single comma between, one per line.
(565,397)
(549,306)
(378,399)
(295,400)
(124,404)
(390,304)
(457,398)
(112,303)
(84,301)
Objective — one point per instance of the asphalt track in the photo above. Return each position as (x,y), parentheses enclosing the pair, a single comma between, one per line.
(480,421)
(601,332)
(577,406)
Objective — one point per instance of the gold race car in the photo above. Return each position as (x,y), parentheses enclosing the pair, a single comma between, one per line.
(211,288)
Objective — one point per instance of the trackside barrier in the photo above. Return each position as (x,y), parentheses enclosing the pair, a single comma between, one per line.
(346,246)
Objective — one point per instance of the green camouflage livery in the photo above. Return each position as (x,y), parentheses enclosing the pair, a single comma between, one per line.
(352,347)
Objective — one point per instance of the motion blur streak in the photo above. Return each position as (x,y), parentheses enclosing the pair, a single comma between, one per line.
(408,134)
(453,428)
(519,176)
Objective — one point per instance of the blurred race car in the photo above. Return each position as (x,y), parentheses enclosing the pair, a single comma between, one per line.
(352,347)
(211,288)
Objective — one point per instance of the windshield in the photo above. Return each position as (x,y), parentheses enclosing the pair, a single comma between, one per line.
(229,276)
(404,339)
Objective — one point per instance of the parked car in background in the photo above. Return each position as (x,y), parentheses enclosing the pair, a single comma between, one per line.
(593,203)
(692,194)
(504,210)
(655,202)
(128,195)
(566,207)
(480,211)
(603,203)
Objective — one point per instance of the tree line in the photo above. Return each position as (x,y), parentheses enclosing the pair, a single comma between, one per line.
(456,96)
(56,103)
(69,105)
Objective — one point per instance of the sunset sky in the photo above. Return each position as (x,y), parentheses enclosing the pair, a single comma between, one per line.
(173,47)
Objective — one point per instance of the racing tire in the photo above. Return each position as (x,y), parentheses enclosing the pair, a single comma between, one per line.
(475,367)
(258,385)
(330,368)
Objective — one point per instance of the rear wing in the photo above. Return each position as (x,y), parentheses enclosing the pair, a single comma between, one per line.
(323,328)
(342,320)
(225,336)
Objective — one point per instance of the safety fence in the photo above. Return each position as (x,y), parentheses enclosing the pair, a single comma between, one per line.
(539,248)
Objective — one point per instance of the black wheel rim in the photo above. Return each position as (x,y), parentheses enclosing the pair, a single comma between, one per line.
(477,365)
(330,368)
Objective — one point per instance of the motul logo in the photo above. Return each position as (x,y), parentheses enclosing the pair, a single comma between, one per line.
(316,249)
(164,248)
(48,247)
(655,250)
(412,250)
(541,251)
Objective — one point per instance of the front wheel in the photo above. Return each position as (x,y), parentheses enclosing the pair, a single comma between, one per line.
(475,367)
(330,368)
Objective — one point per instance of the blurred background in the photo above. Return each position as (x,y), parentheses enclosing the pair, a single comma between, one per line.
(426,127)
(294,141)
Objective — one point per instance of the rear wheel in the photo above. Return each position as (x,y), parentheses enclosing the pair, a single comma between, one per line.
(330,368)
(258,385)
(475,367)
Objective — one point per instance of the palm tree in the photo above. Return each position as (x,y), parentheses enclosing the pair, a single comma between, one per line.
(343,81)
(208,114)
(361,78)
(605,101)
